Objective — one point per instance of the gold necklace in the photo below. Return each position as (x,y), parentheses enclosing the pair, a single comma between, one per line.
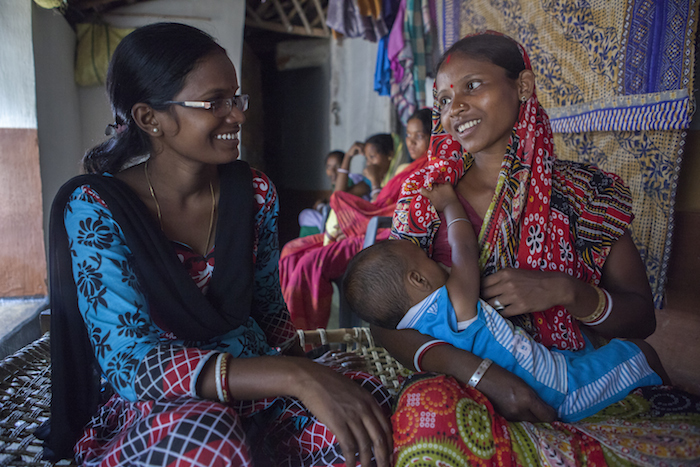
(160,216)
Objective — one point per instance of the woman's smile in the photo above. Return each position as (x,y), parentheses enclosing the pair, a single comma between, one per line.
(228,136)
(479,104)
(467,125)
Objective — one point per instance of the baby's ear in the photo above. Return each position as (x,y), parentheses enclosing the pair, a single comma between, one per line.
(417,280)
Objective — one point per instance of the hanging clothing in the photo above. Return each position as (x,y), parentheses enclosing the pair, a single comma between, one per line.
(382,70)
(403,93)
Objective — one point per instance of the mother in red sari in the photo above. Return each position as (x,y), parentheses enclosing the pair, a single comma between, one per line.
(308,267)
(557,258)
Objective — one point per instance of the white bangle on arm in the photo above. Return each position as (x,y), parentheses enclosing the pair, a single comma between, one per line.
(479,373)
(602,311)
(418,356)
(343,171)
(458,219)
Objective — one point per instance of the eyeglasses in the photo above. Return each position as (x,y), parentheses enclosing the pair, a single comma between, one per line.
(219,107)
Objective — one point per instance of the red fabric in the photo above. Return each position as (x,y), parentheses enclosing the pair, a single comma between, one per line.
(307,267)
(441,421)
(524,226)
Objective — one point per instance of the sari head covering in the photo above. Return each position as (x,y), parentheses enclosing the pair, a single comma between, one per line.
(545,214)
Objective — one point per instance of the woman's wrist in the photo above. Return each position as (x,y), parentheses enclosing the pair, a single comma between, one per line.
(449,360)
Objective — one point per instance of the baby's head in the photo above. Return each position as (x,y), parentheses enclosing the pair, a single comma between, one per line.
(384,281)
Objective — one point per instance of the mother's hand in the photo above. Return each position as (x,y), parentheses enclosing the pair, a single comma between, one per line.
(350,412)
(512,398)
(522,291)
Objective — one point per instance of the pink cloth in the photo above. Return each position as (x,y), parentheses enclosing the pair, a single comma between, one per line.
(308,268)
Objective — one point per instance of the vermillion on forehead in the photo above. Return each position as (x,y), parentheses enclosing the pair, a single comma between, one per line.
(478,103)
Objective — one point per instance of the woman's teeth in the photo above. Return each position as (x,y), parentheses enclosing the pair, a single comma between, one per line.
(465,126)
(226,136)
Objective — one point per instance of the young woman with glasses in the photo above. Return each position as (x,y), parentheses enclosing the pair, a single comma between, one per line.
(164,283)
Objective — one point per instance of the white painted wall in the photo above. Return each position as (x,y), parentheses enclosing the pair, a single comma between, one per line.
(362,112)
(58,113)
(17,99)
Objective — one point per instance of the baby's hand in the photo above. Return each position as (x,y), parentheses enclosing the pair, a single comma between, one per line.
(440,195)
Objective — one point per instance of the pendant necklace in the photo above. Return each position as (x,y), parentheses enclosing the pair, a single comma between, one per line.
(160,217)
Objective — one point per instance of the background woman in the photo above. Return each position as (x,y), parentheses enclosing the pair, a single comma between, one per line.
(556,257)
(311,220)
(379,153)
(153,259)
(307,266)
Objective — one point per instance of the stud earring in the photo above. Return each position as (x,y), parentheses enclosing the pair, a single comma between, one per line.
(523,98)
(155,130)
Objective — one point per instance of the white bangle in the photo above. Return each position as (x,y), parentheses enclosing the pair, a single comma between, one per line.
(463,219)
(479,373)
(418,356)
(606,312)
(343,171)
(219,387)
(375,191)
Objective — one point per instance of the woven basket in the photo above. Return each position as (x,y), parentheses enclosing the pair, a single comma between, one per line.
(25,387)
(361,342)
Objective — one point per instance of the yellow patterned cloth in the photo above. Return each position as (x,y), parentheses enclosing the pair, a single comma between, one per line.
(616,79)
(96,44)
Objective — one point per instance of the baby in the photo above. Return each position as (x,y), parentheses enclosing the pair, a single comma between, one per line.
(394,284)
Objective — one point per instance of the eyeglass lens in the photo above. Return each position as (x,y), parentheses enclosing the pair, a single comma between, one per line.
(223,107)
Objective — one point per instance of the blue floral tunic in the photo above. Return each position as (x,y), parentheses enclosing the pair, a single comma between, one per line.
(155,417)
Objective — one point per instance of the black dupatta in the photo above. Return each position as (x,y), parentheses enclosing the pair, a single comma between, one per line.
(180,304)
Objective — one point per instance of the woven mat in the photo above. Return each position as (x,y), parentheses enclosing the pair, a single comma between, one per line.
(25,398)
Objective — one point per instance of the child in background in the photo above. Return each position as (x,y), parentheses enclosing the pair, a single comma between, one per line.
(311,220)
(394,284)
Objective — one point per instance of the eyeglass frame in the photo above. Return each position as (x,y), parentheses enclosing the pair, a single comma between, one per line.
(244,99)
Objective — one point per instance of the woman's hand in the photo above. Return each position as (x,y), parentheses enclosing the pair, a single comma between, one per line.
(510,395)
(512,398)
(350,412)
(348,360)
(357,148)
(624,277)
(522,291)
(375,174)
